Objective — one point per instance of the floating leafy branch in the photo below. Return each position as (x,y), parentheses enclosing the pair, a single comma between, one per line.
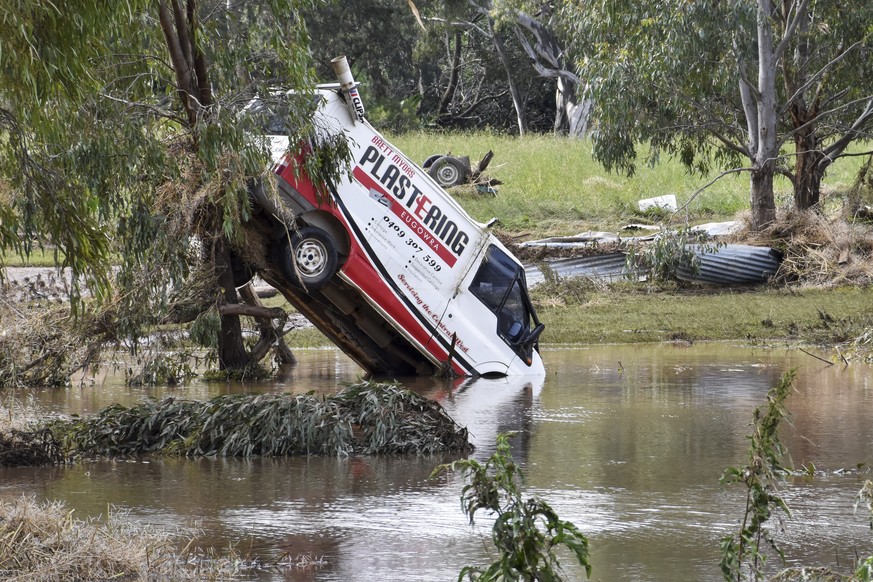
(526,532)
(864,573)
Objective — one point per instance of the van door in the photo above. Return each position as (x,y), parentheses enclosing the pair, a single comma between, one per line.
(495,317)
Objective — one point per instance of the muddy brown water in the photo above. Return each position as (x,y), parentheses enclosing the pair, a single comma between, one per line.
(628,442)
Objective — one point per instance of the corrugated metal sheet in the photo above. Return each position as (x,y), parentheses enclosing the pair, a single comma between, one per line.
(729,265)
(609,267)
(733,265)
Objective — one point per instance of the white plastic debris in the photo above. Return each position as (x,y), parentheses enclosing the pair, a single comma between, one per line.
(666,202)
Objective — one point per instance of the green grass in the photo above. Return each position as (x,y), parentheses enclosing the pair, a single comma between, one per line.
(759,315)
(551,185)
(626,314)
(37,258)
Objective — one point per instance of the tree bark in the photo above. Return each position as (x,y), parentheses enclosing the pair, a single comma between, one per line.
(549,61)
(271,334)
(258,311)
(449,93)
(179,56)
(231,350)
(517,100)
(809,168)
(762,202)
(764,157)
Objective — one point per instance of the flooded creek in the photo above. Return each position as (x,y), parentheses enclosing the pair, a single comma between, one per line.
(628,442)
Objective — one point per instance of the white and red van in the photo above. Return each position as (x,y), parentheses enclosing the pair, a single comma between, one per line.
(391,268)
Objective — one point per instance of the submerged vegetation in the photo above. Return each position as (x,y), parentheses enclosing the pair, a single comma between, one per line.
(745,553)
(367,418)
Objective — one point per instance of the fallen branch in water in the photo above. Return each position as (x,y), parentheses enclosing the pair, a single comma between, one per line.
(829,363)
(367,418)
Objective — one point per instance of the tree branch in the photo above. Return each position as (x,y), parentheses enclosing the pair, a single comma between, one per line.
(461,23)
(182,33)
(836,148)
(177,57)
(252,311)
(479,102)
(710,183)
(158,112)
(452,85)
(200,65)
(799,15)
(802,89)
(863,118)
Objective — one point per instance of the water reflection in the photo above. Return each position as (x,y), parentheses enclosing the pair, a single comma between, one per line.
(627,442)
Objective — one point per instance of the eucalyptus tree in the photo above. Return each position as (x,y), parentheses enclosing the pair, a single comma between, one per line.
(765,87)
(122,140)
(542,34)
(378,36)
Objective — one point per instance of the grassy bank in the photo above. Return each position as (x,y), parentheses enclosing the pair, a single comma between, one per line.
(577,313)
(551,185)
(37,258)
(757,315)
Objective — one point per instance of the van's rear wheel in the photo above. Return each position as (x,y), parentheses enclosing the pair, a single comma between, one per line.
(309,259)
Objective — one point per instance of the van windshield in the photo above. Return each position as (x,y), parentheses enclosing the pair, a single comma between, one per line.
(500,285)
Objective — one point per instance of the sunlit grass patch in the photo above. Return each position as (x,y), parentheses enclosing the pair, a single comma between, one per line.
(38,257)
(553,186)
(627,315)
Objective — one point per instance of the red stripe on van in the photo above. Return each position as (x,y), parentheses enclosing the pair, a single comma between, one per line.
(365,276)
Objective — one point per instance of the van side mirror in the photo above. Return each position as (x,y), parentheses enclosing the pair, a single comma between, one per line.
(532,337)
(529,341)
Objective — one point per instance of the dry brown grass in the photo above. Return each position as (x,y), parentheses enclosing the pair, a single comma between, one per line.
(16,414)
(43,542)
(819,250)
(39,346)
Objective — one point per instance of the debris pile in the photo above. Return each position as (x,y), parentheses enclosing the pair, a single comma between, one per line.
(450,171)
(367,418)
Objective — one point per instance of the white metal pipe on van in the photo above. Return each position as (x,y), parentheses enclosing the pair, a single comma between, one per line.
(347,83)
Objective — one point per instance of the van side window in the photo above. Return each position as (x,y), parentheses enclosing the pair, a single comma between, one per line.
(499,285)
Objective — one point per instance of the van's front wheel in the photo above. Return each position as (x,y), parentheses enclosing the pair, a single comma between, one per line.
(308,258)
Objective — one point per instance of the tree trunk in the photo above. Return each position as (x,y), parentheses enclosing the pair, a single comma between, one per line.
(517,100)
(231,350)
(271,334)
(762,201)
(861,195)
(809,168)
(548,60)
(767,150)
(572,115)
(449,93)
